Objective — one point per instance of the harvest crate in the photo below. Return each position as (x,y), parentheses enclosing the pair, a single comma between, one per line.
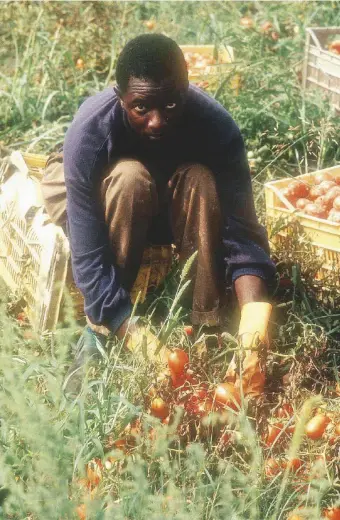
(321,68)
(324,234)
(34,252)
(35,261)
(222,57)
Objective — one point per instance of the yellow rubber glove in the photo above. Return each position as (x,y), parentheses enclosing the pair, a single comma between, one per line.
(253,332)
(143,343)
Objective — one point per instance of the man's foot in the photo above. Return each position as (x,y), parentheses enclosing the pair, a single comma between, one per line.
(86,350)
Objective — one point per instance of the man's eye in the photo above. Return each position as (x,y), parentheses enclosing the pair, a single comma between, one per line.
(140,107)
(170,106)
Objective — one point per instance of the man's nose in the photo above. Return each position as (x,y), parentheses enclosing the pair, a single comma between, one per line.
(156,121)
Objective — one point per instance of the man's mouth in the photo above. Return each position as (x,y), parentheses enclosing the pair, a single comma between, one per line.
(156,137)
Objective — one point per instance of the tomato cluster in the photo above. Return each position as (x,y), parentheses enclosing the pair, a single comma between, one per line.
(320,199)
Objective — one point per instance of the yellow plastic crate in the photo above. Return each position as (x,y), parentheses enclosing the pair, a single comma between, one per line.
(34,252)
(324,234)
(224,57)
(156,261)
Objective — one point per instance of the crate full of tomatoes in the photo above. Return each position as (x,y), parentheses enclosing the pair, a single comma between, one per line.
(312,199)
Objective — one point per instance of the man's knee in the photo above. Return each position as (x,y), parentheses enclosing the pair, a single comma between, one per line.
(129,176)
(198,176)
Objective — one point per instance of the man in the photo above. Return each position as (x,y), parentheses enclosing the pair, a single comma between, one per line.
(156,160)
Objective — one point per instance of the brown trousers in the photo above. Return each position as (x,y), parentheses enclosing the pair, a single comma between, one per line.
(141,209)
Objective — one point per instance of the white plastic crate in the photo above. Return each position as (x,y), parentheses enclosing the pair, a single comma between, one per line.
(321,68)
(34,252)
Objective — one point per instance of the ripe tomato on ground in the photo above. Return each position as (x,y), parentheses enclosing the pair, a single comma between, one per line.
(271,467)
(94,471)
(177,361)
(226,394)
(81,512)
(315,428)
(295,464)
(332,513)
(285,411)
(274,431)
(188,329)
(159,408)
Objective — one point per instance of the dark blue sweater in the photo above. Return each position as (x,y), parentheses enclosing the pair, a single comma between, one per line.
(98,136)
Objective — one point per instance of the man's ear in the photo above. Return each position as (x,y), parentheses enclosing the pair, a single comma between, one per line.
(119,95)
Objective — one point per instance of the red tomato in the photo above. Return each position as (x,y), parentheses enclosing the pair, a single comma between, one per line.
(330,196)
(274,431)
(334,216)
(315,428)
(226,394)
(80,64)
(81,512)
(285,411)
(159,408)
(188,329)
(315,211)
(336,203)
(271,467)
(266,27)
(94,471)
(177,361)
(286,193)
(315,192)
(332,513)
(335,46)
(294,464)
(301,203)
(320,177)
(298,189)
(326,186)
(337,180)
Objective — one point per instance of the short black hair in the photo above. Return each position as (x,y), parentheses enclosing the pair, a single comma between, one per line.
(150,56)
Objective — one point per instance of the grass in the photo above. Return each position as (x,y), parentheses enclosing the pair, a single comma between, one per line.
(164,472)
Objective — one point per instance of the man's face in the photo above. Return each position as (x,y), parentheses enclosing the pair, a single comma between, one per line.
(153,109)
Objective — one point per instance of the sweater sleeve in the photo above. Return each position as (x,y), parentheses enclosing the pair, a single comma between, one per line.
(245,240)
(106,302)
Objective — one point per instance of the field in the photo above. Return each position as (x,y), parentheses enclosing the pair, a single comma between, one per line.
(105,456)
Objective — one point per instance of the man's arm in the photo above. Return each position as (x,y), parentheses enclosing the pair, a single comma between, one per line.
(106,302)
(247,255)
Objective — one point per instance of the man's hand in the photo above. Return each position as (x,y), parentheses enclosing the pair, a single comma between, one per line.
(253,335)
